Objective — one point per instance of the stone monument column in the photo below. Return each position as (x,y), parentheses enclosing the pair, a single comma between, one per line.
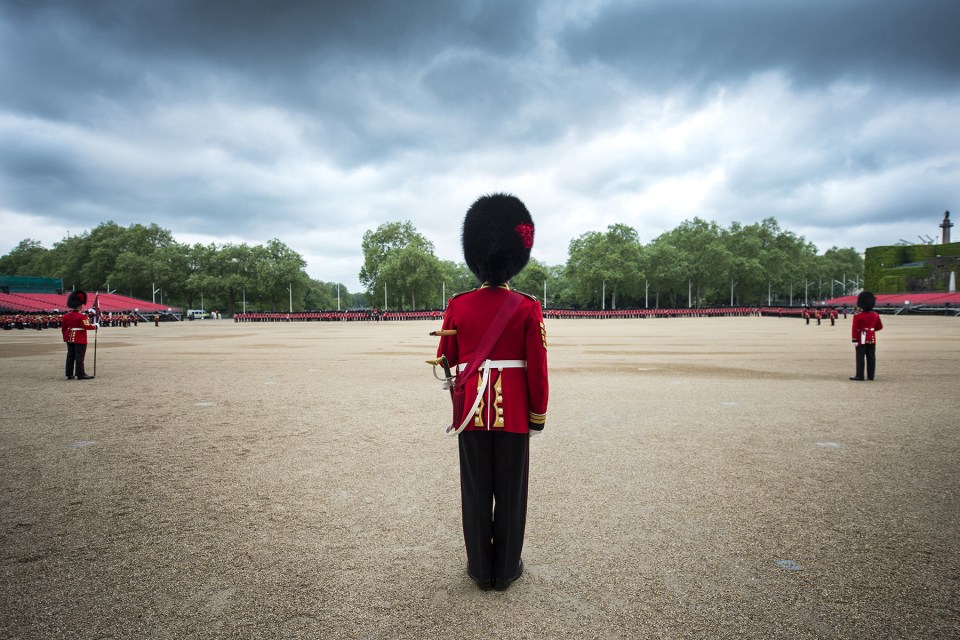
(945,225)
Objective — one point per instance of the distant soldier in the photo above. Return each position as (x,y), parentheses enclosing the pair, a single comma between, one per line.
(74,327)
(866,323)
(806,314)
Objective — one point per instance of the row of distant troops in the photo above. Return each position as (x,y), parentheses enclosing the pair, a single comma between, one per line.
(52,320)
(819,314)
(30,321)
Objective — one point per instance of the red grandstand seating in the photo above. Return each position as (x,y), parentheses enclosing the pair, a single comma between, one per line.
(45,302)
(901,299)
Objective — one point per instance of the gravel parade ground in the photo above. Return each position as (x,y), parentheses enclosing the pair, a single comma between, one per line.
(697,478)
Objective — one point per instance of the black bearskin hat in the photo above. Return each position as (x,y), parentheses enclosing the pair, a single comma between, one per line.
(497,237)
(76,299)
(866,300)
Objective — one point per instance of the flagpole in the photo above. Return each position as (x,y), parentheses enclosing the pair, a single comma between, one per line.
(96,318)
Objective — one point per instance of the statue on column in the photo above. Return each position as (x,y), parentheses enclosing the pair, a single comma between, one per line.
(945,225)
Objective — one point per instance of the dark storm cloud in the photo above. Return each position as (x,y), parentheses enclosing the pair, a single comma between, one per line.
(353,68)
(106,47)
(663,43)
(313,122)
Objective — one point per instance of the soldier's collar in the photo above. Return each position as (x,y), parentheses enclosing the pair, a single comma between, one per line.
(487,285)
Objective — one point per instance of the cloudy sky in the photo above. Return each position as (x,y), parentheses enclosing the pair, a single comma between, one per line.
(313,122)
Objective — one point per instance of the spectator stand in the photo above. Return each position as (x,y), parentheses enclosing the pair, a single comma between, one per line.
(936,303)
(55,304)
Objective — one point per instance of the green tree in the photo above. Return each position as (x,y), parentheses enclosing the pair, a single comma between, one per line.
(235,269)
(667,269)
(611,261)
(836,271)
(531,280)
(280,276)
(199,282)
(323,296)
(455,277)
(387,252)
(132,274)
(745,248)
(26,259)
(172,266)
(410,272)
(559,289)
(708,261)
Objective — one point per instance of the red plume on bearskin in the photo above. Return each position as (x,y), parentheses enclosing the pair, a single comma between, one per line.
(497,237)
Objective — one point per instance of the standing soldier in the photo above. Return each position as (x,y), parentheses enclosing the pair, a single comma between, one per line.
(806,314)
(506,401)
(74,326)
(866,323)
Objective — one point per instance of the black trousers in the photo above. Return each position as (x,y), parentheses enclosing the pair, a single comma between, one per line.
(75,354)
(868,353)
(493,490)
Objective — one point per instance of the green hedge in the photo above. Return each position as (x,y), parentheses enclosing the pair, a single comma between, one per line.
(883,271)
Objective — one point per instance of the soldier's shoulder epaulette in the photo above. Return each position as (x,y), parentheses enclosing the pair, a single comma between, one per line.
(531,296)
(457,295)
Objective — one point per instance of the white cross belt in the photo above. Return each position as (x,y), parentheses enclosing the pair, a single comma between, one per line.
(485,367)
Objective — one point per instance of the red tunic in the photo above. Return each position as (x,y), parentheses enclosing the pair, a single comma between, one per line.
(515,396)
(74,326)
(865,327)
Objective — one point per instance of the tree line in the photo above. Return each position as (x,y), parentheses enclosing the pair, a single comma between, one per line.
(696,264)
(147,262)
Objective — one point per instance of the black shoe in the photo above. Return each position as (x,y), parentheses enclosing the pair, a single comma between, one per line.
(84,377)
(502,585)
(69,377)
(857,379)
(484,585)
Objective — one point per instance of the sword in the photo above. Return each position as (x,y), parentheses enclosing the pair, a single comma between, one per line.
(448,379)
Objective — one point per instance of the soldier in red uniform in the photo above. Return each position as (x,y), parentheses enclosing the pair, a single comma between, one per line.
(74,326)
(866,323)
(508,401)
